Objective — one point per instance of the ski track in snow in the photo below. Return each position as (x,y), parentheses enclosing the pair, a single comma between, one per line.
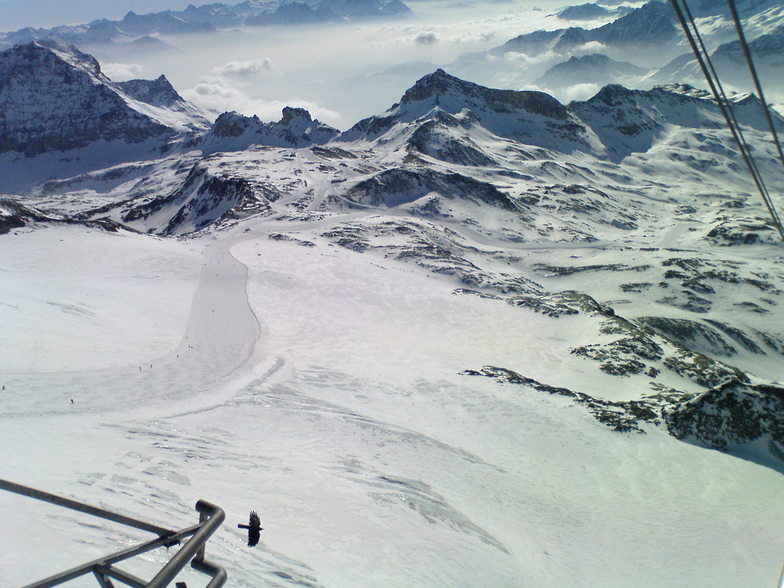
(220,336)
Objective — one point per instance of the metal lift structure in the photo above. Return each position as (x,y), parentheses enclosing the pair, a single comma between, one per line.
(104,568)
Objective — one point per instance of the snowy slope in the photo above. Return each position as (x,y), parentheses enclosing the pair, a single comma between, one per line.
(481,339)
(371,460)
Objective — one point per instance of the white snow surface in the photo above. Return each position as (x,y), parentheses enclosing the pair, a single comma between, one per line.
(321,387)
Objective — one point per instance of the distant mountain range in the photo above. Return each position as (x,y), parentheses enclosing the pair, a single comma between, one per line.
(767,51)
(643,48)
(645,37)
(653,24)
(596,68)
(591,11)
(143,29)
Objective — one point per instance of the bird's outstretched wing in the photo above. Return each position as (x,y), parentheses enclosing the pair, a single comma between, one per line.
(253,527)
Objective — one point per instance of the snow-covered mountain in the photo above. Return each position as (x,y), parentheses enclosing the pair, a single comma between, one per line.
(478,339)
(595,68)
(653,24)
(54,99)
(235,132)
(533,118)
(634,121)
(590,11)
(767,51)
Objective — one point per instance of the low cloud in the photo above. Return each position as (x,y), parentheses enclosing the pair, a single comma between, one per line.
(245,69)
(217,95)
(589,48)
(426,38)
(122,72)
(472,37)
(579,92)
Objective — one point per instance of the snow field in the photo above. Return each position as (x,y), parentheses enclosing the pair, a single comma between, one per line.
(341,416)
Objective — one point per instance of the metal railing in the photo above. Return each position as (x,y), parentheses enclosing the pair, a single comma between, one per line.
(210,518)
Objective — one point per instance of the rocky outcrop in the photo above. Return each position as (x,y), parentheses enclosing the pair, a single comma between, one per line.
(207,197)
(734,415)
(394,187)
(234,132)
(731,414)
(14,215)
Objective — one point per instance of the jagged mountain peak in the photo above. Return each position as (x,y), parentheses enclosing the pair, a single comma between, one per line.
(653,22)
(437,82)
(591,58)
(48,53)
(233,131)
(530,117)
(612,95)
(291,114)
(158,92)
(442,89)
(54,98)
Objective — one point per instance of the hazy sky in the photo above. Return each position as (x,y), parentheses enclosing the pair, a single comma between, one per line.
(15,14)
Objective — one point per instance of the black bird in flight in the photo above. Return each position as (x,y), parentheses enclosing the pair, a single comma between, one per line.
(254,528)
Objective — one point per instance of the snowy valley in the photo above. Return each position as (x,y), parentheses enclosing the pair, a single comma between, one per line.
(486,337)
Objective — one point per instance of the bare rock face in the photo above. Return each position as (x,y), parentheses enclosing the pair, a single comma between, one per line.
(157,92)
(732,413)
(55,98)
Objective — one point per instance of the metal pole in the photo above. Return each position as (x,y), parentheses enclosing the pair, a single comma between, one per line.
(192,547)
(125,578)
(747,53)
(109,560)
(210,518)
(85,508)
(218,574)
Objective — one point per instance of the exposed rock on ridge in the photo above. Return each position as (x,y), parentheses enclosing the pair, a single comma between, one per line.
(235,132)
(55,98)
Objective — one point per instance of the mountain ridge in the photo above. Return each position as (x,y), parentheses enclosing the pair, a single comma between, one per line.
(207,19)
